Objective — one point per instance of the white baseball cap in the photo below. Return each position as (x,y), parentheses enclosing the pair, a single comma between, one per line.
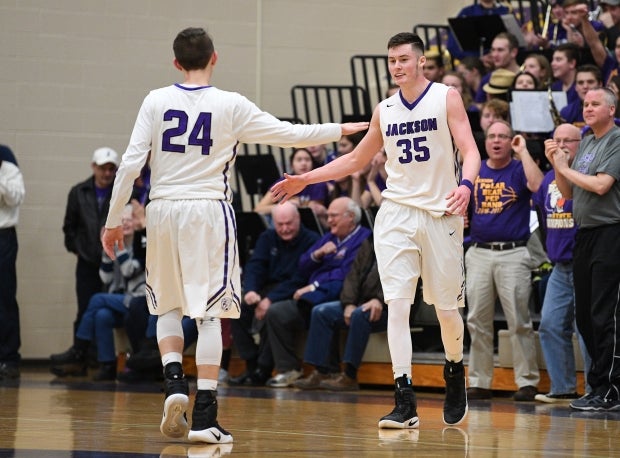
(105,155)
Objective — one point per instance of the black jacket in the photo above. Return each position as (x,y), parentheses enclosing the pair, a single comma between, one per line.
(83,221)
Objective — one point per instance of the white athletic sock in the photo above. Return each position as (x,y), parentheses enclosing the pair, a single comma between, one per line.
(399,337)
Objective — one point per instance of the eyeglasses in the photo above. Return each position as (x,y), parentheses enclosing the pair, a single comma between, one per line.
(498,136)
(559,141)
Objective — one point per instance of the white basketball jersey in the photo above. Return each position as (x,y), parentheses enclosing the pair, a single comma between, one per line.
(421,158)
(191,134)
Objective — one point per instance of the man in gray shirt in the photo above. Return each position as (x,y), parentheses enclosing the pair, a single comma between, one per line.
(592,182)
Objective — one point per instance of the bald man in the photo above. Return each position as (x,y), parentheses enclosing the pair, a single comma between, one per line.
(558,311)
(270,275)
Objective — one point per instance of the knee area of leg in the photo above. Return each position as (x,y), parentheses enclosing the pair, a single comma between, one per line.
(208,323)
(169,325)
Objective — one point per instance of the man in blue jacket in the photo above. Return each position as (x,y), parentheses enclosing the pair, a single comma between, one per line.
(270,275)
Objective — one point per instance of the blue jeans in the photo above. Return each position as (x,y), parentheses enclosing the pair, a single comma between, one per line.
(190,331)
(105,312)
(556,329)
(328,317)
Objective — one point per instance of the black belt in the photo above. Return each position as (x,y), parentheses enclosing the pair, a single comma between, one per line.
(7,230)
(500,246)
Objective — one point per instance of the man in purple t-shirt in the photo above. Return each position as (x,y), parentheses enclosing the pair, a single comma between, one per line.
(557,323)
(498,263)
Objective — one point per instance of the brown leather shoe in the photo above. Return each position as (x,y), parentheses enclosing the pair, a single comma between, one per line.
(312,382)
(341,383)
(474,393)
(526,394)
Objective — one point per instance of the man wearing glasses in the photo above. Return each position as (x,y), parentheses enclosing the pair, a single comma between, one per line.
(498,263)
(558,312)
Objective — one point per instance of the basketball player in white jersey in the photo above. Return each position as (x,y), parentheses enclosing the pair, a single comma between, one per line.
(190,133)
(419,226)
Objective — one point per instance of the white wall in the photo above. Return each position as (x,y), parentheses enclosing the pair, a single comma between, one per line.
(74,72)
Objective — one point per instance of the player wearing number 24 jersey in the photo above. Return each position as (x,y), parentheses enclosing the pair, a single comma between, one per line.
(189,133)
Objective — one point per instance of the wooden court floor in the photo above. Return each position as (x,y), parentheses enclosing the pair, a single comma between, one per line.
(42,416)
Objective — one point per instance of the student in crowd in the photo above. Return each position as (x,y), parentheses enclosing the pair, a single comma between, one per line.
(315,197)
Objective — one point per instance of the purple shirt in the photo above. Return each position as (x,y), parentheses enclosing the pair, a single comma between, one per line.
(315,191)
(333,266)
(500,204)
(571,94)
(558,221)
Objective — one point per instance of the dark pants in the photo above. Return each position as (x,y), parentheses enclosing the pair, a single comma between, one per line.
(87,284)
(596,276)
(9,312)
(243,330)
(140,325)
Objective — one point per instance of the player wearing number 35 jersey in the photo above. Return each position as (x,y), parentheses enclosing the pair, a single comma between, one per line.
(419,227)
(189,134)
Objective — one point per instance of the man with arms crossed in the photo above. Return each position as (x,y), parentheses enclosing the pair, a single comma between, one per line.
(419,227)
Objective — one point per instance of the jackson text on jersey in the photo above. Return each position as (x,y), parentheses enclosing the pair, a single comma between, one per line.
(411,127)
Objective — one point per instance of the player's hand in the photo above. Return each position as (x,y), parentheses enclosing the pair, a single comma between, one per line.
(351,127)
(283,190)
(458,200)
(112,238)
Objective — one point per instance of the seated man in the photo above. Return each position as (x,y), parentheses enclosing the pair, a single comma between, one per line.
(124,279)
(326,264)
(361,309)
(270,275)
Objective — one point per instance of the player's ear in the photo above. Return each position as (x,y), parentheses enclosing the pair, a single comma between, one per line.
(177,65)
(214,58)
(422,60)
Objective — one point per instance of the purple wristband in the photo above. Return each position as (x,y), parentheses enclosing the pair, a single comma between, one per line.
(467,183)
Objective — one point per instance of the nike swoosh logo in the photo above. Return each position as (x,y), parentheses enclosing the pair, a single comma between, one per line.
(411,422)
(452,232)
(388,105)
(217,436)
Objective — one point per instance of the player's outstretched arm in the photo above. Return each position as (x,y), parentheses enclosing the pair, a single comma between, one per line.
(349,128)
(342,166)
